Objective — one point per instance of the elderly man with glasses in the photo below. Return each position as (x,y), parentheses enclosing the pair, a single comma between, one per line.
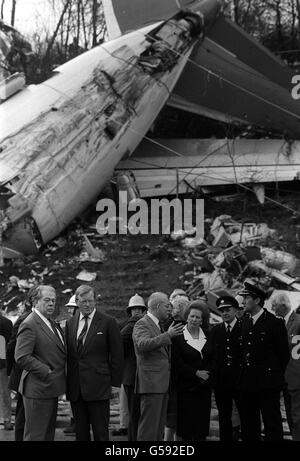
(152,348)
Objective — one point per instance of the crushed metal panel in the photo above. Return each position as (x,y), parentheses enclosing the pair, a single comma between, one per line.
(123,16)
(249,51)
(6,173)
(207,162)
(234,78)
(218,81)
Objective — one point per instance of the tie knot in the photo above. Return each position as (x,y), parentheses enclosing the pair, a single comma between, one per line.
(86,317)
(228,328)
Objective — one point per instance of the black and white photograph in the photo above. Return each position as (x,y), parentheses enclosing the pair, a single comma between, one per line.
(150,223)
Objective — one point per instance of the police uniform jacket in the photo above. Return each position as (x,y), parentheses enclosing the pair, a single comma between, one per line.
(225,351)
(265,353)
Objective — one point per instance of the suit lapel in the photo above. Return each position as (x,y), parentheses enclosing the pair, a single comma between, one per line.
(290,322)
(48,332)
(73,327)
(156,330)
(235,328)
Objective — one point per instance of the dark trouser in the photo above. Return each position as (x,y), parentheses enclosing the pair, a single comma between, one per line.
(134,412)
(95,414)
(153,417)
(40,419)
(224,401)
(19,419)
(292,408)
(288,408)
(267,404)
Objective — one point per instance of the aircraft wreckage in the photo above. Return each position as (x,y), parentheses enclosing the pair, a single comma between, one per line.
(60,141)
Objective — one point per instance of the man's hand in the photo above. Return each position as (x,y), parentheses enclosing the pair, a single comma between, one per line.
(202,374)
(175,329)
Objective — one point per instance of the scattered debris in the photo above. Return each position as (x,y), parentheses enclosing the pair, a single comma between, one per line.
(91,253)
(231,252)
(86,276)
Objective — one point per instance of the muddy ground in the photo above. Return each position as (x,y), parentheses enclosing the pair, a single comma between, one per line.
(135,264)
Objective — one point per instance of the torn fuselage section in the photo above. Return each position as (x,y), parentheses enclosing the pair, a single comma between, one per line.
(170,41)
(61,151)
(18,229)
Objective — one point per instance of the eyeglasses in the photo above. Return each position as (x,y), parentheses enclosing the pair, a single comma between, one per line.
(166,305)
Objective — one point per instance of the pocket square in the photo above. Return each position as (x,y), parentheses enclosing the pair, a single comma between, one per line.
(99,333)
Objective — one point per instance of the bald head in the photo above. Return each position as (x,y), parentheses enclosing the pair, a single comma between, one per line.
(159,305)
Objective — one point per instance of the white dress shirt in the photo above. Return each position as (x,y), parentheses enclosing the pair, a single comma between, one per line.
(46,321)
(155,319)
(82,322)
(231,324)
(195,343)
(256,316)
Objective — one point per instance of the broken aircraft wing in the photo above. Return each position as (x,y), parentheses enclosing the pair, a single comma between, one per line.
(61,140)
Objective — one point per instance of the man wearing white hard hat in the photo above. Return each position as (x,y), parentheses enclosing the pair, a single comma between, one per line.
(136,309)
(71,305)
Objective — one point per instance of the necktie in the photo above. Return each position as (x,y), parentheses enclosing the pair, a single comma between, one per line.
(228,329)
(82,334)
(55,330)
(161,326)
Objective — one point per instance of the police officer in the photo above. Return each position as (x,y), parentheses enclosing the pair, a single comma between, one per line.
(225,346)
(265,355)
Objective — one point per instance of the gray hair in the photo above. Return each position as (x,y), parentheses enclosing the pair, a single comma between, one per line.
(281,298)
(180,302)
(38,292)
(84,289)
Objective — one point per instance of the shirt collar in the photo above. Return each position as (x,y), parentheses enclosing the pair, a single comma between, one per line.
(195,343)
(287,317)
(256,316)
(47,321)
(155,319)
(91,315)
(232,323)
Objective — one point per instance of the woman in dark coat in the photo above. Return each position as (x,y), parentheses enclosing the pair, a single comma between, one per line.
(190,367)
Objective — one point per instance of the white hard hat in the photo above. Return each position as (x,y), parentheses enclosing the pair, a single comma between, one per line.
(72,301)
(136,301)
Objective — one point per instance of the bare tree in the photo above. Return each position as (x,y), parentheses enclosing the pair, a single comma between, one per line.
(13,12)
(2,8)
(60,21)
